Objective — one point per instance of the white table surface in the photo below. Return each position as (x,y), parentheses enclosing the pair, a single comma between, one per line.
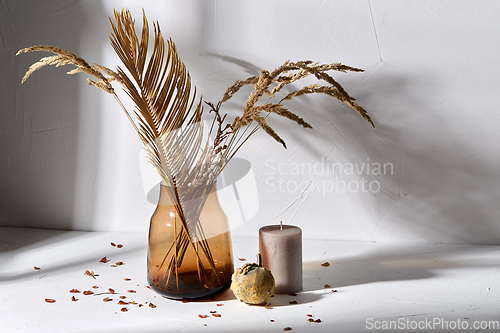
(376,283)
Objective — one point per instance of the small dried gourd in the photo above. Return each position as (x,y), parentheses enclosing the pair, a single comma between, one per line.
(252,283)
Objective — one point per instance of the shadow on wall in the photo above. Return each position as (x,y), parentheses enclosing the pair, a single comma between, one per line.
(39,122)
(444,188)
(431,195)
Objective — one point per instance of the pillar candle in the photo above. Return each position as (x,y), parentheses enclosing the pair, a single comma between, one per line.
(281,250)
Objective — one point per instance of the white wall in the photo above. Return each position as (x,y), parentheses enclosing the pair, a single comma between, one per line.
(69,159)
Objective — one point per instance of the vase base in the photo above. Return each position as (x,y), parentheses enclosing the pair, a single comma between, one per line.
(192,294)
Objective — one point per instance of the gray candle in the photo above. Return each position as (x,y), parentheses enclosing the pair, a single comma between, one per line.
(281,250)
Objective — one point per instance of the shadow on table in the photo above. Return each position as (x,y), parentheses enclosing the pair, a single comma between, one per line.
(396,262)
(23,249)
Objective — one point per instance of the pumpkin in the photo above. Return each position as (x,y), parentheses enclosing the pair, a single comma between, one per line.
(252,284)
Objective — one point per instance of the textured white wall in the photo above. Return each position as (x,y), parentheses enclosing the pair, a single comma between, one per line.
(69,159)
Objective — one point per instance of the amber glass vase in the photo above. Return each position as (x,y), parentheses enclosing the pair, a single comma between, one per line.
(189,250)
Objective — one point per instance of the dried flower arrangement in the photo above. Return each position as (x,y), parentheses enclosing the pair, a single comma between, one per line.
(168,117)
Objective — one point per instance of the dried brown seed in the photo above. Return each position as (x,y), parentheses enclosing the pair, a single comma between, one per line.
(37,268)
(87,292)
(287,329)
(216,315)
(309,315)
(131,291)
(95,287)
(111,291)
(327,286)
(140,305)
(124,309)
(272,320)
(74,291)
(334,290)
(310,320)
(119,246)
(50,300)
(113,244)
(104,260)
(113,266)
(107,299)
(123,297)
(127,279)
(220,304)
(119,263)
(325,264)
(73,298)
(122,303)
(317,321)
(151,305)
(202,316)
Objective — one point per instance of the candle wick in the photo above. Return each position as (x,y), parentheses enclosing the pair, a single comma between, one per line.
(259,259)
(281,225)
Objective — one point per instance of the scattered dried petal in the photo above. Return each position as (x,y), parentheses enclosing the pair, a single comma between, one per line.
(272,320)
(127,279)
(111,291)
(92,274)
(133,303)
(309,315)
(327,286)
(151,305)
(87,292)
(131,291)
(293,302)
(73,298)
(122,303)
(242,259)
(216,315)
(334,290)
(104,260)
(95,287)
(113,244)
(113,266)
(140,305)
(310,320)
(292,294)
(74,291)
(107,299)
(317,320)
(213,311)
(149,287)
(50,300)
(37,268)
(202,316)
(123,297)
(119,246)
(325,264)
(220,304)
(119,263)
(287,329)
(124,309)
